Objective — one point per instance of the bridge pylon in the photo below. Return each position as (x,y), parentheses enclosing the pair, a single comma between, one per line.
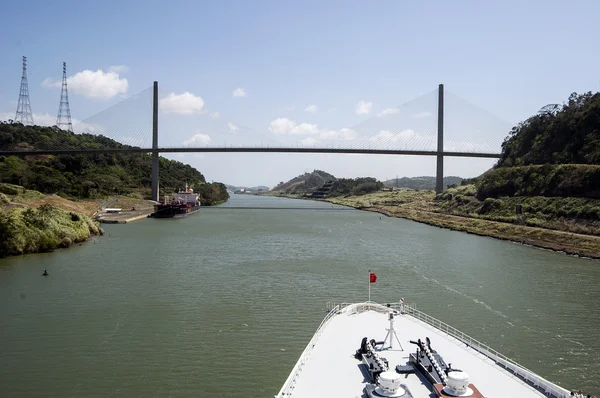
(439,175)
(155,143)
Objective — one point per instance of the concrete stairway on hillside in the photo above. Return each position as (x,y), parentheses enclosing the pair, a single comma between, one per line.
(324,190)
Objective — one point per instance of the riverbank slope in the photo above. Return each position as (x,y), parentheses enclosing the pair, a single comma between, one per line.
(31,222)
(538,227)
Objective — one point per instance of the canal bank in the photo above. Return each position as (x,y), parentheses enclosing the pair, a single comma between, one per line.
(420,206)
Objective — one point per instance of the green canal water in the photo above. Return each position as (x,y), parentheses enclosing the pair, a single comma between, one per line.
(223,302)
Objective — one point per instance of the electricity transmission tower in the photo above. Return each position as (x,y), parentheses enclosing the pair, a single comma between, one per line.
(24,106)
(63,120)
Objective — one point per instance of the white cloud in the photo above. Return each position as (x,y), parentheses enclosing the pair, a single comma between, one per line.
(239,92)
(232,127)
(214,115)
(385,139)
(421,115)
(182,104)
(98,84)
(344,134)
(388,135)
(283,125)
(305,128)
(197,140)
(50,82)
(309,141)
(119,69)
(287,126)
(311,108)
(388,111)
(90,128)
(362,107)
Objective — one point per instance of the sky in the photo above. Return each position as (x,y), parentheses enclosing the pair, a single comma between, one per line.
(302,73)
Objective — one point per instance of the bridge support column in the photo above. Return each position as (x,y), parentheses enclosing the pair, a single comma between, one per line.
(439,175)
(155,143)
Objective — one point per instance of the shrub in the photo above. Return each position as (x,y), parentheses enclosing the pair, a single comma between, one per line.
(366,187)
(29,230)
(568,180)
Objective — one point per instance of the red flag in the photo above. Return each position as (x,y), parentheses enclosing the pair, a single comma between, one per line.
(372,278)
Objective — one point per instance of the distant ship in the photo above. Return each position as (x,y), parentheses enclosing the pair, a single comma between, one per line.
(183,204)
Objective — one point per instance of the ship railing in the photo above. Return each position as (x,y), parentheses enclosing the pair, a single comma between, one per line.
(548,388)
(288,387)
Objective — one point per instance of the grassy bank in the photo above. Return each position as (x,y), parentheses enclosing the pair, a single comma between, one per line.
(545,222)
(31,222)
(45,228)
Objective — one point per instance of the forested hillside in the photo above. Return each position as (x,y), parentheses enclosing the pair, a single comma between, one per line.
(308,183)
(553,153)
(568,133)
(304,183)
(87,175)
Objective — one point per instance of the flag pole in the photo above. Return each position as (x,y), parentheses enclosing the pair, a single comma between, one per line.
(369,286)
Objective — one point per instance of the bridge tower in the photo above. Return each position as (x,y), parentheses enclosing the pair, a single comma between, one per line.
(24,114)
(63,120)
(155,190)
(439,175)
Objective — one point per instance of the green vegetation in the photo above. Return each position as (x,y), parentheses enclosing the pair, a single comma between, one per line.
(305,183)
(213,194)
(578,215)
(355,186)
(557,134)
(553,153)
(30,230)
(460,210)
(548,174)
(87,175)
(564,180)
(425,182)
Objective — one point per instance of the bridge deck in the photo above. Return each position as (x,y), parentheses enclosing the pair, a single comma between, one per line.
(250,150)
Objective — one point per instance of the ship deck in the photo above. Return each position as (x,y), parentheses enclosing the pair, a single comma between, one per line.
(328,367)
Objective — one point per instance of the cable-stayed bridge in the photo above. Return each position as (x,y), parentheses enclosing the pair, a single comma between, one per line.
(437,124)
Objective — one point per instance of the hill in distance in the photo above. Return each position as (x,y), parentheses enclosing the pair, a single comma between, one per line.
(320,184)
(305,183)
(256,188)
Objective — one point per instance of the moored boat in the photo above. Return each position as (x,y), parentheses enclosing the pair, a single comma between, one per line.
(392,350)
(182,204)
